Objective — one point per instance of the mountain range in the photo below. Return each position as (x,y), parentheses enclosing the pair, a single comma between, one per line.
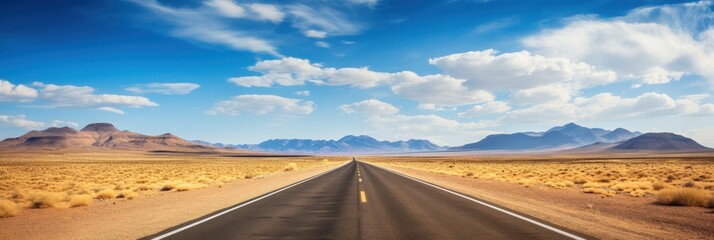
(95,136)
(347,144)
(561,137)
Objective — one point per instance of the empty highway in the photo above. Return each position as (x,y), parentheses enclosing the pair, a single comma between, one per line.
(361,201)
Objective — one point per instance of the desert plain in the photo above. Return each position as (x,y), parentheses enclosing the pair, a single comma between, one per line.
(131,194)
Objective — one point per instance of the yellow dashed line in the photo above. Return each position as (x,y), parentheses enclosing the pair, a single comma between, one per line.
(362,196)
(360,179)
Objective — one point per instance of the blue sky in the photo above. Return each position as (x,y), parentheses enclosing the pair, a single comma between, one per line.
(448,71)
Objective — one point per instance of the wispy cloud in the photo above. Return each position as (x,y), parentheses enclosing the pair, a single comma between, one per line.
(164,88)
(204,25)
(495,25)
(261,104)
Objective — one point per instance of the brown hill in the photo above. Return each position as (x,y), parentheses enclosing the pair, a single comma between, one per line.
(96,135)
(661,142)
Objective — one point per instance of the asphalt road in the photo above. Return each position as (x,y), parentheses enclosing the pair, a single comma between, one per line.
(361,201)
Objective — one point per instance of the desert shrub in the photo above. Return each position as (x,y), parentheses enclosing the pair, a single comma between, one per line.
(41,199)
(685,197)
(580,180)
(168,186)
(128,194)
(80,200)
(106,194)
(660,185)
(291,166)
(8,208)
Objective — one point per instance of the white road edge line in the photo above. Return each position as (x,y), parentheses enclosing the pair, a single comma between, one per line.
(244,204)
(567,234)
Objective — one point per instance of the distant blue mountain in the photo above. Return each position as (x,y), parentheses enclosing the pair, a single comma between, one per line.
(568,135)
(347,144)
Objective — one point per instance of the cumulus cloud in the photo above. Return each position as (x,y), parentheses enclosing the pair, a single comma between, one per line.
(485,109)
(16,93)
(653,45)
(294,71)
(606,106)
(371,107)
(436,91)
(111,110)
(84,96)
(261,104)
(518,70)
(164,88)
(385,119)
(20,121)
(542,94)
(204,26)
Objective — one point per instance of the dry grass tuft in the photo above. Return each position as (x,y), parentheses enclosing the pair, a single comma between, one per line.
(127,194)
(685,197)
(188,186)
(291,166)
(80,200)
(106,194)
(8,208)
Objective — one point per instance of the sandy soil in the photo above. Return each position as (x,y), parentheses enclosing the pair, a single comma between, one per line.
(618,217)
(131,219)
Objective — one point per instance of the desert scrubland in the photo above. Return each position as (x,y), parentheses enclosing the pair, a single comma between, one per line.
(608,196)
(69,180)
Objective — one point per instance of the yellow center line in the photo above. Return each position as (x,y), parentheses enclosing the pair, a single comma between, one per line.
(362,196)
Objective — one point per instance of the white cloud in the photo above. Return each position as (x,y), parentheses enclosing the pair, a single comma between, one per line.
(303,93)
(111,110)
(370,3)
(324,19)
(606,107)
(59,123)
(83,96)
(485,109)
(518,70)
(227,8)
(386,120)
(436,91)
(371,107)
(20,121)
(203,26)
(294,71)
(267,12)
(16,93)
(653,45)
(315,34)
(541,94)
(495,25)
(164,88)
(322,44)
(261,104)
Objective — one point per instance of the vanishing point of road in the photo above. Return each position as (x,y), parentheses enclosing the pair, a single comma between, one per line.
(362,201)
